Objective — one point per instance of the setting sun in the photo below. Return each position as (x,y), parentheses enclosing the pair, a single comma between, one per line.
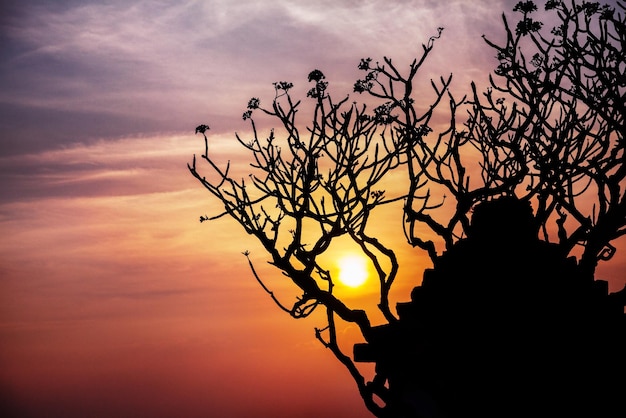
(353,270)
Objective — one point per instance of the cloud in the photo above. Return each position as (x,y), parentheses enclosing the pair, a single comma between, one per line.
(78,71)
(97,55)
(98,70)
(105,168)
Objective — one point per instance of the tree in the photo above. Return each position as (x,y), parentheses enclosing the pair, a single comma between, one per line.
(524,180)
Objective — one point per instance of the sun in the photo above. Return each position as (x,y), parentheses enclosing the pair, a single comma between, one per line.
(352,270)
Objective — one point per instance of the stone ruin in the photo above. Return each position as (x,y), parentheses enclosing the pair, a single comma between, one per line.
(503,326)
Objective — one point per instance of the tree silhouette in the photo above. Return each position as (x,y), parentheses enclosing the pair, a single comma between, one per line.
(515,199)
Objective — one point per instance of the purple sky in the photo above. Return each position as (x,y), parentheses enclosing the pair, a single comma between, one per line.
(114,300)
(75,71)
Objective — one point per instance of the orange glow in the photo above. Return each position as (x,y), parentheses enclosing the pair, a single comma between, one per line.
(353,270)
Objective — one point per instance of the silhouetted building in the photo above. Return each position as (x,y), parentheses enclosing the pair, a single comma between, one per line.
(503,326)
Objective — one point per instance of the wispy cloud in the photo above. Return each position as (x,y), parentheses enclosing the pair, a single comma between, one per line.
(106,69)
(122,167)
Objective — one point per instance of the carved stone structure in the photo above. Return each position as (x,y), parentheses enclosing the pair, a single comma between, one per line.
(503,326)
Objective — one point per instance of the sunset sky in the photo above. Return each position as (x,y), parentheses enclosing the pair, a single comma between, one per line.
(114,300)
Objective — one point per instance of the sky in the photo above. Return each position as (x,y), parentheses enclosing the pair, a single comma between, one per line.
(114,299)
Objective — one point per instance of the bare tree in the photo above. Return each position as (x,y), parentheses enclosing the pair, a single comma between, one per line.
(572,124)
(548,132)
